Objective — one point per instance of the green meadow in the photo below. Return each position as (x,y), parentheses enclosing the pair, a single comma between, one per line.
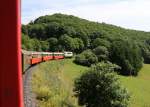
(139,87)
(52,82)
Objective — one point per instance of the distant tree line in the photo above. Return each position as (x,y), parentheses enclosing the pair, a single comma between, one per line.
(93,42)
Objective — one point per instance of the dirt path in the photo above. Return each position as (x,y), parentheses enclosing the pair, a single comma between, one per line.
(29,97)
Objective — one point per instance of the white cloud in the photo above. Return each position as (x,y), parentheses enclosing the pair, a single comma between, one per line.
(132,14)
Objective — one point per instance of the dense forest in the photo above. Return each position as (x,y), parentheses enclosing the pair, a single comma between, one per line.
(92,41)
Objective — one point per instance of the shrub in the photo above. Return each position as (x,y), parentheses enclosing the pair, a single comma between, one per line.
(99,87)
(86,58)
(101,52)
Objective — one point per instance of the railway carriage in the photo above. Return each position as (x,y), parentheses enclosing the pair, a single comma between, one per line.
(68,54)
(36,57)
(47,56)
(58,55)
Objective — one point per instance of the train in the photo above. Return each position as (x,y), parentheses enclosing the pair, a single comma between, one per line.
(30,58)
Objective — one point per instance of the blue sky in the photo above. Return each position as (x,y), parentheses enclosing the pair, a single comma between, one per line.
(132,14)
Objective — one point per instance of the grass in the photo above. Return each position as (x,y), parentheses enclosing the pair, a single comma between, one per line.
(139,87)
(52,82)
(65,71)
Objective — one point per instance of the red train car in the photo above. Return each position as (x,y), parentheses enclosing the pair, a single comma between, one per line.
(58,55)
(36,57)
(47,56)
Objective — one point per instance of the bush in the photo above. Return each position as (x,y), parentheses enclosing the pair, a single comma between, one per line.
(99,87)
(127,55)
(86,58)
(102,53)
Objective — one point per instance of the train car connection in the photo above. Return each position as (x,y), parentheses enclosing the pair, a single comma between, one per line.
(26,60)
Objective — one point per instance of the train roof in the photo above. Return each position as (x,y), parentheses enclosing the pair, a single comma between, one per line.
(47,53)
(58,53)
(34,52)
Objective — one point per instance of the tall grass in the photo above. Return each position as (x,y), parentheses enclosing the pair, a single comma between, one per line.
(50,86)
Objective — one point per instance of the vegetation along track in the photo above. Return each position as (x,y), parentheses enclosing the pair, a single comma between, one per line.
(29,97)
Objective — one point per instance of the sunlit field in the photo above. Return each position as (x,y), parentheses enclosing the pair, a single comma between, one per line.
(53,84)
(139,87)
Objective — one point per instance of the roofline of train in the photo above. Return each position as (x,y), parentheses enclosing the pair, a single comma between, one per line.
(35,52)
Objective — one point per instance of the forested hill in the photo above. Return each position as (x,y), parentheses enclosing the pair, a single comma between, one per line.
(60,32)
(56,25)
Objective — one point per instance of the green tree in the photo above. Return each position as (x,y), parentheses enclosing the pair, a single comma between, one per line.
(44,46)
(37,31)
(100,42)
(53,42)
(36,45)
(78,45)
(127,55)
(26,42)
(99,87)
(67,42)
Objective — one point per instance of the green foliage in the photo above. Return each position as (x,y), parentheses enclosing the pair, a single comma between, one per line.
(145,48)
(44,46)
(24,41)
(146,55)
(86,58)
(100,42)
(67,42)
(37,31)
(53,42)
(24,29)
(99,87)
(102,53)
(78,45)
(36,45)
(127,55)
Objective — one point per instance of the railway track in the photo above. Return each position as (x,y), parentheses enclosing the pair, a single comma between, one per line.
(29,96)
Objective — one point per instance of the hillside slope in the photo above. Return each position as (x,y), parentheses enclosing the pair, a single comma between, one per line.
(67,71)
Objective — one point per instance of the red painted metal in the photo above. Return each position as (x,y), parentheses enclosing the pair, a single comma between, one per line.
(58,57)
(46,58)
(11,92)
(36,60)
